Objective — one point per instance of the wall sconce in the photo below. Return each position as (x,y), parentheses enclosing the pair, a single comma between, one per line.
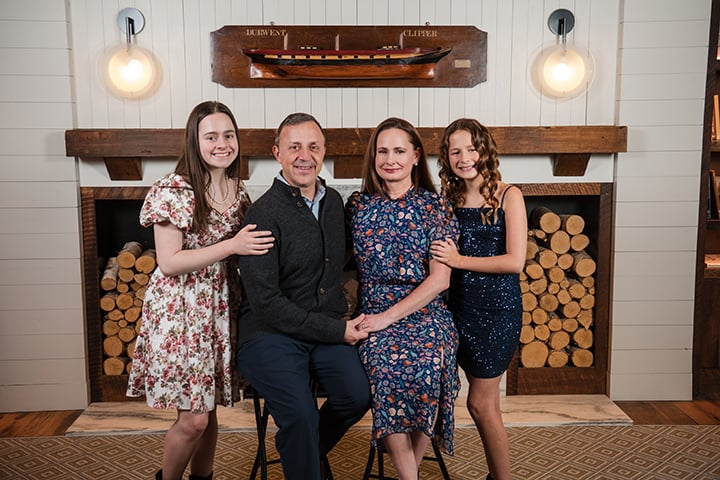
(129,70)
(561,70)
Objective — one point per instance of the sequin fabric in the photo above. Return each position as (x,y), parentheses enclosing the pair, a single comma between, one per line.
(487,307)
(411,364)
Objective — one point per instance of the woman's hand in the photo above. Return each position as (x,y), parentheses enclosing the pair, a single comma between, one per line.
(374,323)
(249,241)
(446,252)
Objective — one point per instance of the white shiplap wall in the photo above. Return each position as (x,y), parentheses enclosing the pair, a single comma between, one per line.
(647,78)
(661,96)
(42,343)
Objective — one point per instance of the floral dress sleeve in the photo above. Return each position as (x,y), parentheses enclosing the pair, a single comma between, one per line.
(170,199)
(440,220)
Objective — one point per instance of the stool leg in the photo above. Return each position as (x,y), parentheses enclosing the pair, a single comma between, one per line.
(368,467)
(441,462)
(325,468)
(261,418)
(381,464)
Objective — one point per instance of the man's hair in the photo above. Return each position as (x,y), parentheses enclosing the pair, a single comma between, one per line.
(296,119)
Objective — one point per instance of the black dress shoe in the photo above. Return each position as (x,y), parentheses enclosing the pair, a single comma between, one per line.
(198,477)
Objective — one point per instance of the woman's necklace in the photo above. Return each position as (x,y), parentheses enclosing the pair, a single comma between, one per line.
(227,194)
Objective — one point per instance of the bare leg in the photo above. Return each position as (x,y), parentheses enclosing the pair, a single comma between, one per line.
(201,462)
(180,442)
(420,443)
(483,403)
(402,454)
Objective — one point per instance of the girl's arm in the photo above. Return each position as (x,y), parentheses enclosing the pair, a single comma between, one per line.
(436,282)
(173,260)
(513,261)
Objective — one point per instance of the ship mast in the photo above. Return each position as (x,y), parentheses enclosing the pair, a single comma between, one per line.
(337,42)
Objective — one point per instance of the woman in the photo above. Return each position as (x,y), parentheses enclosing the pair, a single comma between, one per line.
(409,355)
(183,355)
(484,293)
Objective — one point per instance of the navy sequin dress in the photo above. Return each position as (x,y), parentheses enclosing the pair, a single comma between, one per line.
(487,307)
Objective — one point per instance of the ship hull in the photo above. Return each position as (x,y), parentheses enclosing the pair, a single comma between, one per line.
(345,65)
(349,72)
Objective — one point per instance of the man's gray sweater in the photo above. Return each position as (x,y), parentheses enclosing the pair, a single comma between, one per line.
(295,289)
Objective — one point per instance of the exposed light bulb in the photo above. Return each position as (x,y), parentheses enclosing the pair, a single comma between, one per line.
(131,71)
(562,71)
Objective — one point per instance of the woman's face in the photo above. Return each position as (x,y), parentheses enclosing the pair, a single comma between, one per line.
(395,157)
(218,141)
(463,156)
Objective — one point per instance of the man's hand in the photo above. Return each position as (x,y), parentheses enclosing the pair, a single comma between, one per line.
(352,333)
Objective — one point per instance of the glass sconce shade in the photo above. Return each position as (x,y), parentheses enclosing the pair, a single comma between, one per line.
(562,71)
(131,71)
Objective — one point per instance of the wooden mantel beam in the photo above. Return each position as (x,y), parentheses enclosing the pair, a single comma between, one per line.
(124,149)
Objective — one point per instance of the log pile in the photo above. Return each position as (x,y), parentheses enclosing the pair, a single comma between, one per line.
(123,282)
(558,292)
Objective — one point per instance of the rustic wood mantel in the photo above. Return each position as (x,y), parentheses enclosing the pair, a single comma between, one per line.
(123,150)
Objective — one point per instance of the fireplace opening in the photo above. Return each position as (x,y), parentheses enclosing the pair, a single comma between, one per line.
(111,219)
(117,222)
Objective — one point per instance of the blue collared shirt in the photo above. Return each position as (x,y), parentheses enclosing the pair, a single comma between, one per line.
(314,204)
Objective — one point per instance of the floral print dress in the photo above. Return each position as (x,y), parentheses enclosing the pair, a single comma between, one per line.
(411,364)
(183,355)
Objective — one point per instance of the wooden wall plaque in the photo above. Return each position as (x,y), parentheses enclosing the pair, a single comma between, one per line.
(264,56)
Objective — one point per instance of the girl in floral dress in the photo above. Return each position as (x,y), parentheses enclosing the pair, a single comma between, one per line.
(183,355)
(409,355)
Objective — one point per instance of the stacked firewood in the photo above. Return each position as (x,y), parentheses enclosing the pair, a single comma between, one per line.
(558,292)
(124,281)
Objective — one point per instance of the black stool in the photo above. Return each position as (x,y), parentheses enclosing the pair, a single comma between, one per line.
(261,420)
(381,467)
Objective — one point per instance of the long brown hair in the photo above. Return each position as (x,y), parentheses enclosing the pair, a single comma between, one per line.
(453,187)
(371,181)
(191,166)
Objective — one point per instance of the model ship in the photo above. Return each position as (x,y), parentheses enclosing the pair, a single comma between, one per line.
(389,61)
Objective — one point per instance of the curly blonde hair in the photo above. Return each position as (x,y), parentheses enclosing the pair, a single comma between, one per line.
(453,187)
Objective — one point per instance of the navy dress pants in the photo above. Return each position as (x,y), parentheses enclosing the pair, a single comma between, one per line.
(280,368)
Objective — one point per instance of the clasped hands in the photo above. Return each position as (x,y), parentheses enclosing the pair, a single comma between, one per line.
(361,326)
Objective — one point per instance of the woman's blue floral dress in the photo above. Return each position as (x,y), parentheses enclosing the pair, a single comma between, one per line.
(411,364)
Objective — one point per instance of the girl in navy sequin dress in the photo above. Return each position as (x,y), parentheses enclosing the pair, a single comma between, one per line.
(410,353)
(484,293)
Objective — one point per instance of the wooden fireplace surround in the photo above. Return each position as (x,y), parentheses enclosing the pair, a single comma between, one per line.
(124,150)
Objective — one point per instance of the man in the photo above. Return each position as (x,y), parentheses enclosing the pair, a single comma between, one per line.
(290,326)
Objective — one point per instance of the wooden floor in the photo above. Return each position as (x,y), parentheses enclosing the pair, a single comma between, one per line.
(698,412)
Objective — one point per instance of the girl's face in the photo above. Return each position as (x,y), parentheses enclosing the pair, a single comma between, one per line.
(463,156)
(218,141)
(395,157)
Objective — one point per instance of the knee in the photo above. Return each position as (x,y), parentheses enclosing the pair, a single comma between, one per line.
(302,415)
(482,406)
(193,425)
(353,401)
(360,400)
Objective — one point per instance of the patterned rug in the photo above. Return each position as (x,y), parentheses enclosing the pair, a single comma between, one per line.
(538,453)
